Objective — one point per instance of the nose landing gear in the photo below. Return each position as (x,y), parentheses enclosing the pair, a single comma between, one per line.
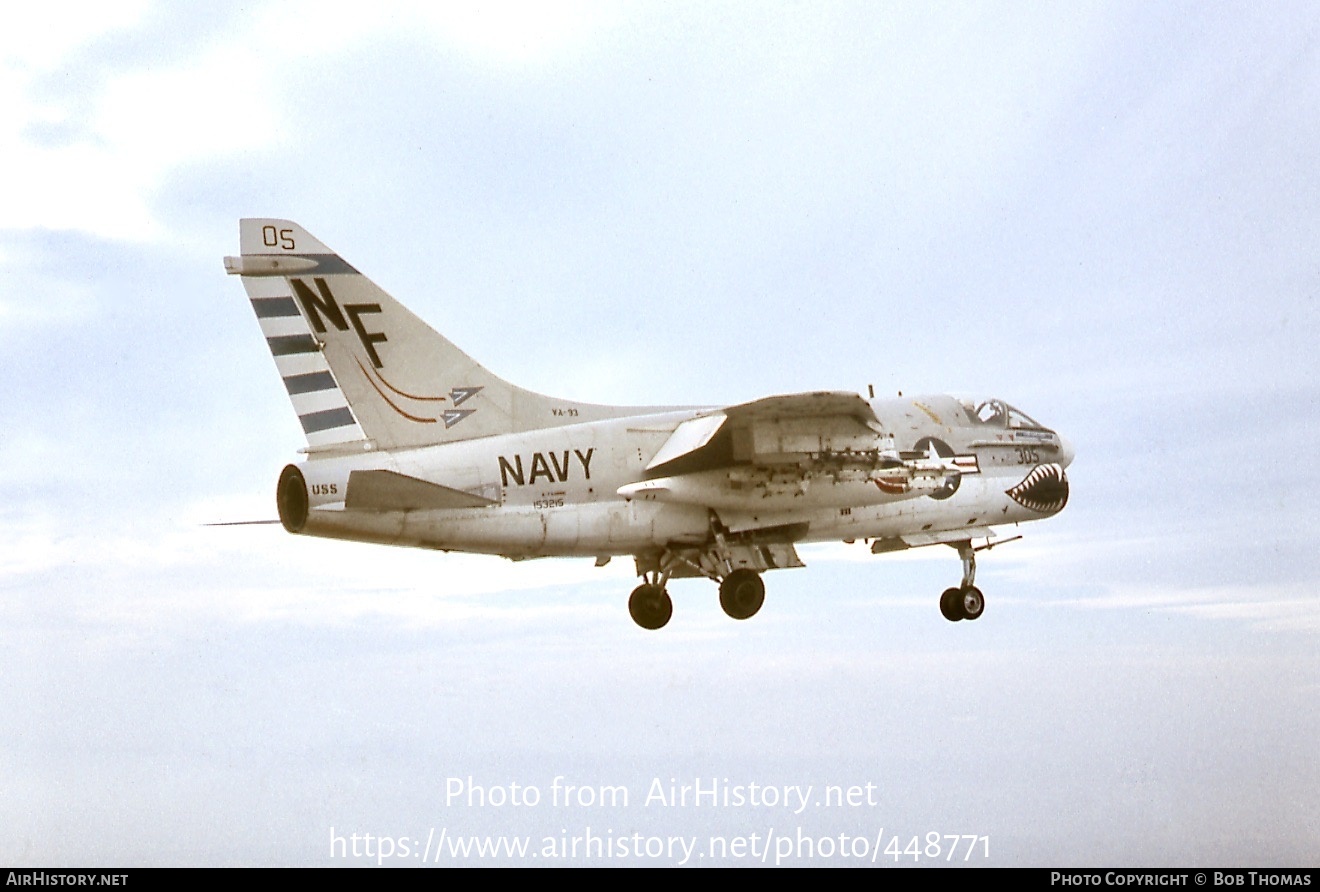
(966,601)
(962,603)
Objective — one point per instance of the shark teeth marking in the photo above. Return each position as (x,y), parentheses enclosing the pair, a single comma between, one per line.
(1044,490)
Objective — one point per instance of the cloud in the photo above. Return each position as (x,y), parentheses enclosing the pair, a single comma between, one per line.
(1268,607)
(92,156)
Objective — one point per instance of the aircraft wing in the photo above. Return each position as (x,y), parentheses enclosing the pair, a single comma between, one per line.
(815,404)
(784,454)
(773,430)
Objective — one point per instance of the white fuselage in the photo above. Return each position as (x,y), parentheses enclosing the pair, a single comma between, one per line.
(555,492)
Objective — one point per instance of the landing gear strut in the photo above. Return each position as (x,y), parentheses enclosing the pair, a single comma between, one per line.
(966,601)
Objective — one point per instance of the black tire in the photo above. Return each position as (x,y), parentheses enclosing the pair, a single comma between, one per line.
(742,593)
(951,604)
(971,602)
(650,606)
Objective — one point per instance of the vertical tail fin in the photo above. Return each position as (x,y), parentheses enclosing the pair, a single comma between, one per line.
(359,366)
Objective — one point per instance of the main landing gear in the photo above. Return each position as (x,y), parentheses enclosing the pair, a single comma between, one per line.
(650,605)
(966,601)
(741,595)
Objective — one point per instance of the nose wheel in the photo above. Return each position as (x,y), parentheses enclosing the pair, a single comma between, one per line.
(965,601)
(962,603)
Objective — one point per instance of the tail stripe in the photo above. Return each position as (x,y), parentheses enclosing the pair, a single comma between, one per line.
(272,307)
(317,398)
(326,265)
(292,344)
(310,382)
(327,420)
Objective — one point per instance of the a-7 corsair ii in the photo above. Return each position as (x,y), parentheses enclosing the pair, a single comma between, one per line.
(411,442)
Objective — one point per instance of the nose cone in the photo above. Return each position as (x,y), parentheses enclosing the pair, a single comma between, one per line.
(1065,450)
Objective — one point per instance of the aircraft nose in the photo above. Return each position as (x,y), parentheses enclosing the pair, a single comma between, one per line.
(1065,450)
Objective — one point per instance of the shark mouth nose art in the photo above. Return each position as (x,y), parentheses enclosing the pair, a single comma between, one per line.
(1045,489)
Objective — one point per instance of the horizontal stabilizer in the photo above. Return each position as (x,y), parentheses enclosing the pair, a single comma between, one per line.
(389,491)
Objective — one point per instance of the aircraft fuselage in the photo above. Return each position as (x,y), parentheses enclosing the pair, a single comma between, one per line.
(555,492)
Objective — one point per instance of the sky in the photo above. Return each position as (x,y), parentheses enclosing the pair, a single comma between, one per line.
(1106,213)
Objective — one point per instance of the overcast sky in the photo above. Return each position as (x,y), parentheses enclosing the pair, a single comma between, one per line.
(1106,213)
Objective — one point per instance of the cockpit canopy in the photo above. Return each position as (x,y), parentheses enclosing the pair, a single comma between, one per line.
(998,414)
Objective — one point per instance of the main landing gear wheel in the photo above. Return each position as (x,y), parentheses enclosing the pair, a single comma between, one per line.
(962,603)
(742,593)
(650,606)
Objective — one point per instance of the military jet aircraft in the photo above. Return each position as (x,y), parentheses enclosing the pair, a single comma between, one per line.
(412,442)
